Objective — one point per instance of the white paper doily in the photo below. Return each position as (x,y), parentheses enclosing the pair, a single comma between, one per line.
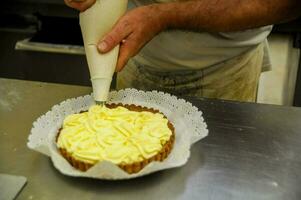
(186,118)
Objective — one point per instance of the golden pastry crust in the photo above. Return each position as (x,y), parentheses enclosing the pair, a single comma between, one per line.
(133,167)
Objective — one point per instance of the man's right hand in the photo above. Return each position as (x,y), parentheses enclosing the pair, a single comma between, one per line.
(80,5)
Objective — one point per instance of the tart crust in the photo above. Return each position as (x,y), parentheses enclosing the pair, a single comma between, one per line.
(133,167)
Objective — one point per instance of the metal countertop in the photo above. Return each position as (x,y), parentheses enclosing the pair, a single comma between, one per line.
(252,152)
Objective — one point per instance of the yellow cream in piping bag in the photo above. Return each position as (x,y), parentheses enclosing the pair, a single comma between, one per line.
(117,135)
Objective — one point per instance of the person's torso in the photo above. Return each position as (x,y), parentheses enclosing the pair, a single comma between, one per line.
(184,50)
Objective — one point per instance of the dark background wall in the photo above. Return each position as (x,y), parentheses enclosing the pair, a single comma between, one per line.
(45,21)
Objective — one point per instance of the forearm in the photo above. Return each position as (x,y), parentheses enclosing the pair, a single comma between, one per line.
(226,15)
(142,24)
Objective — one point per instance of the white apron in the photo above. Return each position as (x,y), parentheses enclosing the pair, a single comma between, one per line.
(219,65)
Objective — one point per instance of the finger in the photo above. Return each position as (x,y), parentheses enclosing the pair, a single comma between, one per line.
(73,4)
(68,3)
(85,5)
(125,53)
(80,5)
(119,32)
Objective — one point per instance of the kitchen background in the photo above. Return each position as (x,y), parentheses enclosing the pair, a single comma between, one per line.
(40,40)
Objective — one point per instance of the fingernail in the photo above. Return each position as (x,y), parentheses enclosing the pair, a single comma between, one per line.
(102,46)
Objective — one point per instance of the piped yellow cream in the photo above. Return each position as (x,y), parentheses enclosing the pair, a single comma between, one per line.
(114,134)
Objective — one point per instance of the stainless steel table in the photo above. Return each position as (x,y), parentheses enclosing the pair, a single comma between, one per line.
(252,152)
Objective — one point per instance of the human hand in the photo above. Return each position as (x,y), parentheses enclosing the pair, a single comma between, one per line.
(132,32)
(80,5)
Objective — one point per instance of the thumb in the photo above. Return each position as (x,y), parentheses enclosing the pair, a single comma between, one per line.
(114,37)
(80,5)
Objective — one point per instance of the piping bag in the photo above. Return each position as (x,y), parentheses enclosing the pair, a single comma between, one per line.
(95,22)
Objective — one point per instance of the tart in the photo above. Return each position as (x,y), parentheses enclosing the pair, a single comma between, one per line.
(129,136)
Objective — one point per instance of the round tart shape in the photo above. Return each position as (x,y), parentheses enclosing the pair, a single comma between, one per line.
(129,136)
